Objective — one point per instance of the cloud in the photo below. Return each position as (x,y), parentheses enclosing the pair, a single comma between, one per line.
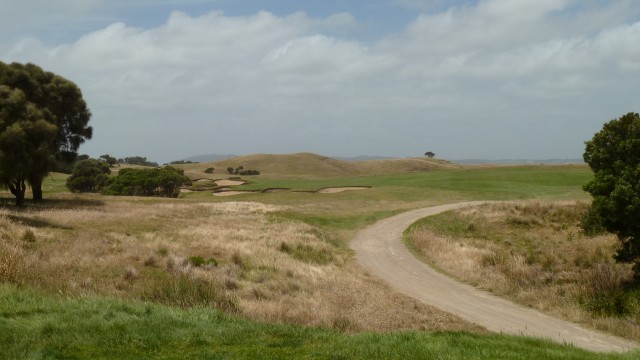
(495,79)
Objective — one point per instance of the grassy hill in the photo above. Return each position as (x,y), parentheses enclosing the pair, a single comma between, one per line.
(313,166)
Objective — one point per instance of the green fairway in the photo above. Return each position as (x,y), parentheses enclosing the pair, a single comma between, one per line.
(474,183)
(37,326)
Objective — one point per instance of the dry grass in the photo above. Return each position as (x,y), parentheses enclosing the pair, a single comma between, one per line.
(232,255)
(535,254)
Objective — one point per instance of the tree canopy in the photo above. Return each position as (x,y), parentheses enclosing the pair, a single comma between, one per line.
(26,142)
(58,102)
(165,182)
(89,175)
(614,156)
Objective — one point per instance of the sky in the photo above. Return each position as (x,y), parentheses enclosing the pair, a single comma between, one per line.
(483,79)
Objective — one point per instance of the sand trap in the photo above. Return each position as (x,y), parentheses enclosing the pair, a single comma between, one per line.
(203,180)
(340,189)
(185,190)
(229,182)
(231,193)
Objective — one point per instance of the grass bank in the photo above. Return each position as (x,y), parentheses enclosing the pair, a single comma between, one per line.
(38,326)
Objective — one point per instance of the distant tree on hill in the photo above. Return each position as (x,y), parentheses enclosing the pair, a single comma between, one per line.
(429,154)
(182,162)
(138,160)
(240,170)
(109,159)
(89,175)
(209,170)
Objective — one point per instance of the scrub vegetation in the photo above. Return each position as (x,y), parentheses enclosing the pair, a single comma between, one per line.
(535,254)
(215,275)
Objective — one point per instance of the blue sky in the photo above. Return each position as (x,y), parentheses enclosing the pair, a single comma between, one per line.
(466,79)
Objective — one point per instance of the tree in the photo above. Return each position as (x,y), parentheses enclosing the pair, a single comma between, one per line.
(110,160)
(429,154)
(139,160)
(26,142)
(165,182)
(89,175)
(60,103)
(614,156)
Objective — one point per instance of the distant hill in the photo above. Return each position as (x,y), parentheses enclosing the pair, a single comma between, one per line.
(364,158)
(208,157)
(314,166)
(519,161)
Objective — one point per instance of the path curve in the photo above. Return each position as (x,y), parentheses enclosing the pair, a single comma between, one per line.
(380,250)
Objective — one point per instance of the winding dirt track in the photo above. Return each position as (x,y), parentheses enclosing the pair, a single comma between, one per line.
(380,250)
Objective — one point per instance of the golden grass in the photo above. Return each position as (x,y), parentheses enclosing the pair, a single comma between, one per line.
(250,261)
(534,254)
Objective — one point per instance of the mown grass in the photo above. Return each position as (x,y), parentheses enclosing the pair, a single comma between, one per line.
(495,183)
(390,194)
(38,326)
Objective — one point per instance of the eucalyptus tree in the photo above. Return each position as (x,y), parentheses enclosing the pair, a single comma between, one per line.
(59,103)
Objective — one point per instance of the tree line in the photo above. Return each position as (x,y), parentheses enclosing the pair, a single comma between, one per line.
(43,121)
(92,175)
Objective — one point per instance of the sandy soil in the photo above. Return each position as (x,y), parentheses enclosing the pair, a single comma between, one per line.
(339,189)
(229,182)
(231,193)
(379,249)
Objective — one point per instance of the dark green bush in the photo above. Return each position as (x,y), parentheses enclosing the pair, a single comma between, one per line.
(164,182)
(89,175)
(209,170)
(198,261)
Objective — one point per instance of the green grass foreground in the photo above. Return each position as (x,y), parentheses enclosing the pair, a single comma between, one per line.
(38,326)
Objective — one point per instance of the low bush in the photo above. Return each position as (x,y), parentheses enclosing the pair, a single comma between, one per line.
(164,182)
(89,175)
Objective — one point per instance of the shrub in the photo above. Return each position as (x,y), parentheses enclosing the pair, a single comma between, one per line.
(164,182)
(209,170)
(89,175)
(199,261)
(591,223)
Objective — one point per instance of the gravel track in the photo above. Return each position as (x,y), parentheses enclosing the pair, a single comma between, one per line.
(380,251)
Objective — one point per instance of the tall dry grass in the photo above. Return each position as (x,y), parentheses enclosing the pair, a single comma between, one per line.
(535,254)
(235,256)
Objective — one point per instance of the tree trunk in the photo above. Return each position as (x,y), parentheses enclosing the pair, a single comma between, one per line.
(20,199)
(36,187)
(18,188)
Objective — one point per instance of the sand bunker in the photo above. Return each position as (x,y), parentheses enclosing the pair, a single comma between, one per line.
(229,182)
(231,193)
(185,190)
(340,189)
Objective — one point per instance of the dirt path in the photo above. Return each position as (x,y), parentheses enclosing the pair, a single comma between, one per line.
(380,251)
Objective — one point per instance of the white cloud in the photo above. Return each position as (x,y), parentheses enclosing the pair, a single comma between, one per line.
(504,70)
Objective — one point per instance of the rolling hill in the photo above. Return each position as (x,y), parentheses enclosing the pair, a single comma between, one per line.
(314,166)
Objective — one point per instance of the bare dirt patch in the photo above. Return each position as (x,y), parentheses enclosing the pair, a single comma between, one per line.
(336,190)
(231,193)
(229,182)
